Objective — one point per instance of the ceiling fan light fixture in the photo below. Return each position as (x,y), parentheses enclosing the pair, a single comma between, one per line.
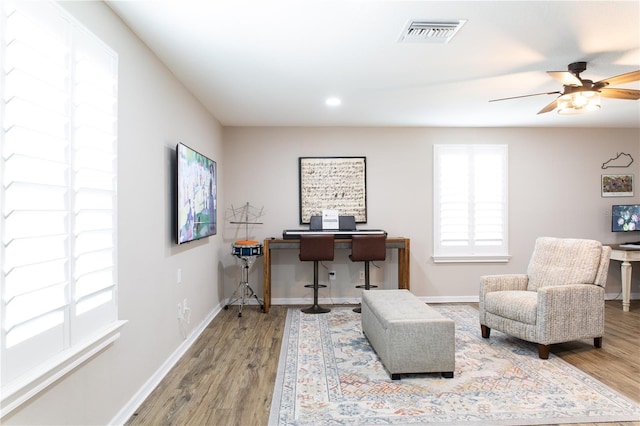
(579,102)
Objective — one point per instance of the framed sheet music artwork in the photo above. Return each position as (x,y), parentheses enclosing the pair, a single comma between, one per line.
(338,183)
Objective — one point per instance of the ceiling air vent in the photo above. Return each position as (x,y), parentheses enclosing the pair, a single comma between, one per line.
(430,31)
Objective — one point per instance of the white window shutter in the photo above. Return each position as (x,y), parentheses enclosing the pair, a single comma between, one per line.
(470,203)
(94,185)
(35,209)
(58,194)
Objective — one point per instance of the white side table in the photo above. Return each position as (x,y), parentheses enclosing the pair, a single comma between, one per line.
(626,256)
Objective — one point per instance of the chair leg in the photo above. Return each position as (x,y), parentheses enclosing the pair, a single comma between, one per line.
(543,351)
(486,331)
(367,286)
(597,342)
(316,308)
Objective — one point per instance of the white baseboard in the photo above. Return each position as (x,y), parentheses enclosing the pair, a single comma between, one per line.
(618,296)
(130,408)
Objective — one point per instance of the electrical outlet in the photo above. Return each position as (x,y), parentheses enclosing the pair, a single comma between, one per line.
(179,275)
(361,275)
(332,275)
(186,312)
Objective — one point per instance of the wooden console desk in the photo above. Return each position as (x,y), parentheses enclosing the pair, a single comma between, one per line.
(626,256)
(401,244)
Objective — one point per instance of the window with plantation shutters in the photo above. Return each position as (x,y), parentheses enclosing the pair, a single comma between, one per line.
(58,197)
(470,203)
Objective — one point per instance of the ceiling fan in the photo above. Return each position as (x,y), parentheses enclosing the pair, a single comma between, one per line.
(580,95)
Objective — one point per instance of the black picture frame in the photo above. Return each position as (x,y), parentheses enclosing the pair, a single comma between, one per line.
(338,183)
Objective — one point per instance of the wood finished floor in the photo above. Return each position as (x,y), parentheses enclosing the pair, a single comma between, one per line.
(227,376)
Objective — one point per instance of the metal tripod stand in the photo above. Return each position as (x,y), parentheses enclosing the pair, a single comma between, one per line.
(244,293)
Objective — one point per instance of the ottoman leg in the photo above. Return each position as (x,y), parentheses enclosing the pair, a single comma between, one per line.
(447,374)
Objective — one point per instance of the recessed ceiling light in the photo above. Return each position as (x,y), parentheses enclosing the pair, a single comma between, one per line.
(333,101)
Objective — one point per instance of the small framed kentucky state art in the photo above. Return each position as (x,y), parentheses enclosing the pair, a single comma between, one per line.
(336,183)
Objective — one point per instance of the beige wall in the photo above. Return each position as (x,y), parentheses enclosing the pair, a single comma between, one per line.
(554,190)
(155,112)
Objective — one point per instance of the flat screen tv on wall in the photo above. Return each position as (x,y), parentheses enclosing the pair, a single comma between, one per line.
(196,195)
(625,218)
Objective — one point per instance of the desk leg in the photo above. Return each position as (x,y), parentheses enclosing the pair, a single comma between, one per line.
(404,266)
(266,281)
(625,272)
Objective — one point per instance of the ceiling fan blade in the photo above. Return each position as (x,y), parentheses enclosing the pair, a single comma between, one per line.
(620,94)
(620,79)
(525,96)
(549,107)
(566,78)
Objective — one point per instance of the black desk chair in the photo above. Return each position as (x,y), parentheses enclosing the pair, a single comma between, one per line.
(316,248)
(367,248)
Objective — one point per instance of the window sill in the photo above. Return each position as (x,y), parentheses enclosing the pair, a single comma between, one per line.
(21,390)
(471,259)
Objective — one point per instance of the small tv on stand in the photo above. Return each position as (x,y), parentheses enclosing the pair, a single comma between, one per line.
(625,218)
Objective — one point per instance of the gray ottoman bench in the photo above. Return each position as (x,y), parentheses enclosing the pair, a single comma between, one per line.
(407,334)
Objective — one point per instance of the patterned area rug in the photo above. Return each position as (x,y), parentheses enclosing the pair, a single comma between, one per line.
(328,374)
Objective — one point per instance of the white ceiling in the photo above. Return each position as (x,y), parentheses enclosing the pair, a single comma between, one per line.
(273,62)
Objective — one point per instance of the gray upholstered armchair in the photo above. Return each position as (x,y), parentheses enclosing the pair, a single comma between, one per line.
(559,299)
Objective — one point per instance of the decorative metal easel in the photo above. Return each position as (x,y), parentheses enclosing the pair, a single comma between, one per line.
(247,251)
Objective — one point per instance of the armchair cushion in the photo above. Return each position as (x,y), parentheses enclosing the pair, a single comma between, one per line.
(521,306)
(559,261)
